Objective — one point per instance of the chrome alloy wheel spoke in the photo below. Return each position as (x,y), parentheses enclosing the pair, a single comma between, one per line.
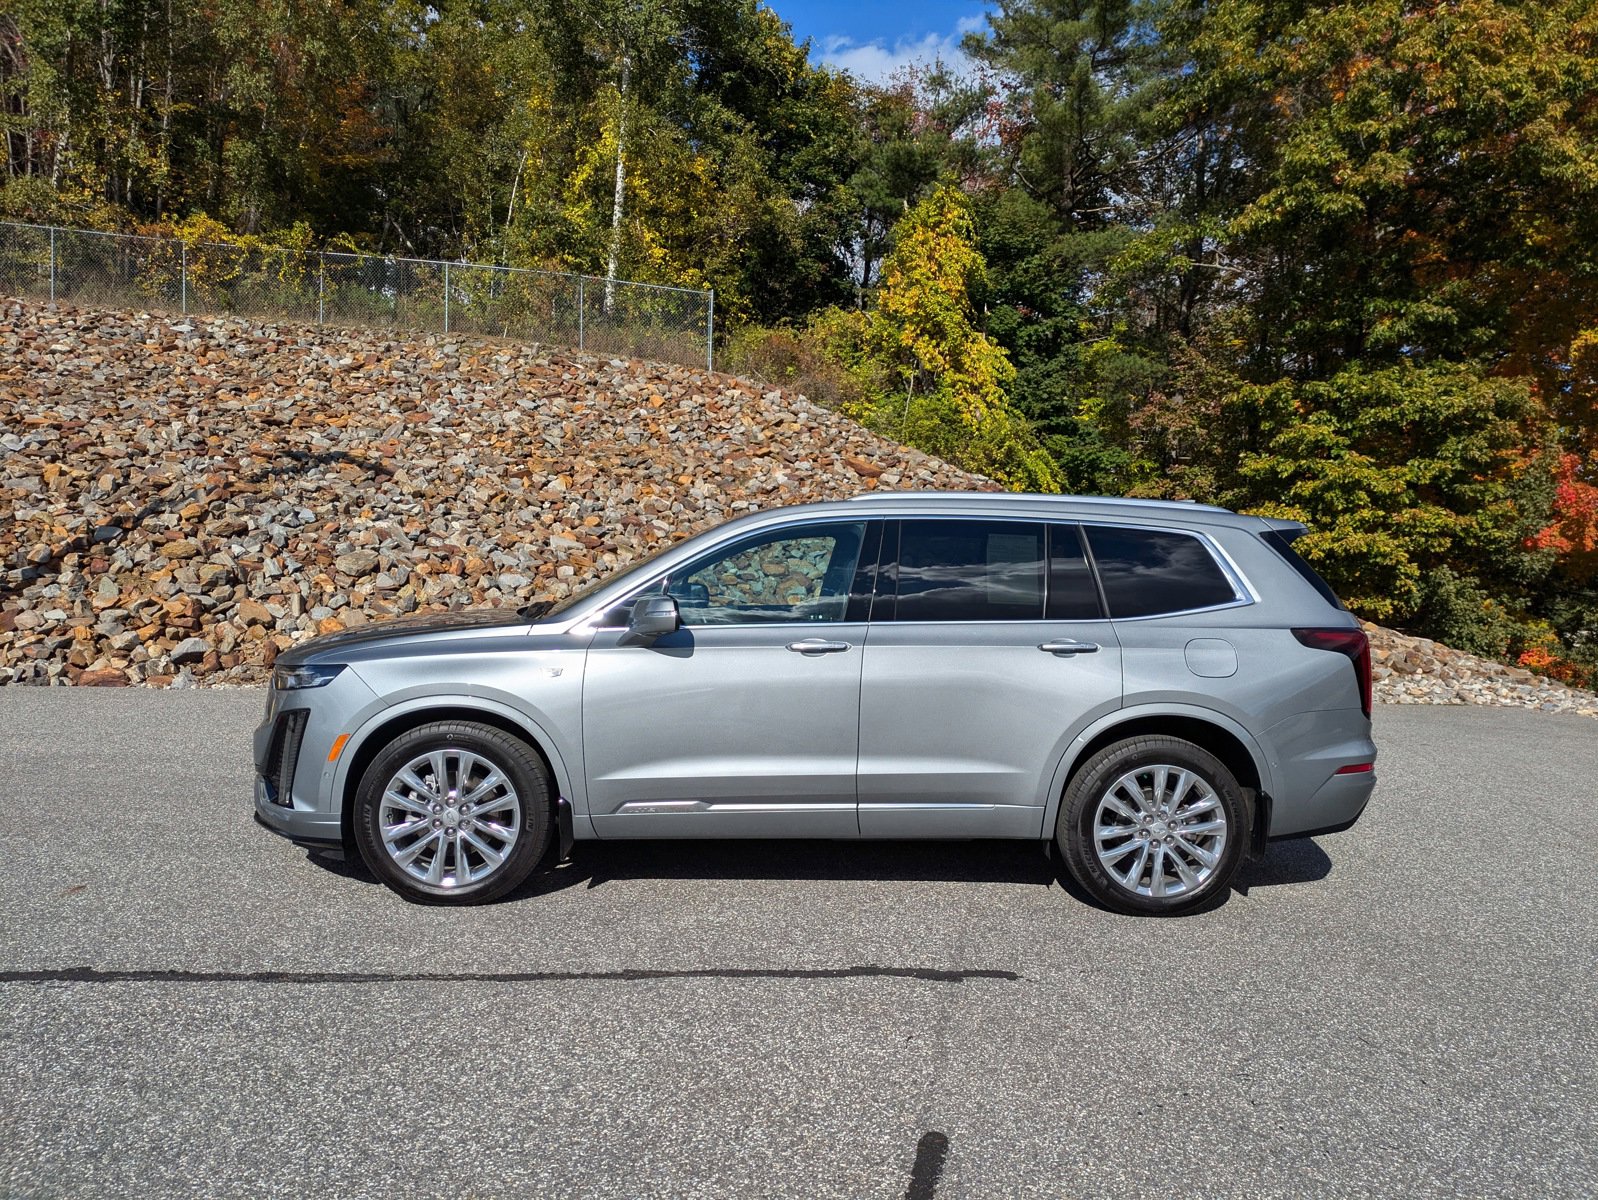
(410,854)
(449,817)
(1160,831)
(408,776)
(481,794)
(397,833)
(493,856)
(1203,806)
(1107,833)
(1203,857)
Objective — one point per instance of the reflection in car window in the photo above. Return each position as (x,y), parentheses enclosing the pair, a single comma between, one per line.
(1073,596)
(1146,572)
(790,575)
(970,571)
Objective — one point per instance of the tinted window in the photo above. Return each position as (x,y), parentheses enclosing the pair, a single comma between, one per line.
(790,575)
(1283,547)
(1073,596)
(970,571)
(1147,571)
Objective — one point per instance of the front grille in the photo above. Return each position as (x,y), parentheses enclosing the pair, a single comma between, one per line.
(284,754)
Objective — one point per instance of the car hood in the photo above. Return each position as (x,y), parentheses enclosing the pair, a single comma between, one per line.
(331,647)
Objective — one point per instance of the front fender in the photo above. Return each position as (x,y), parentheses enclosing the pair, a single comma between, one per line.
(538,728)
(1121,716)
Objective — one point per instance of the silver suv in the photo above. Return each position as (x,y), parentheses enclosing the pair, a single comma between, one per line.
(1159,687)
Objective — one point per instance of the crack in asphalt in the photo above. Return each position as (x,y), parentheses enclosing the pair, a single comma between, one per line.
(136,975)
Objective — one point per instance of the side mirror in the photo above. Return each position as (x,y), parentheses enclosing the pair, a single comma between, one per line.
(653,617)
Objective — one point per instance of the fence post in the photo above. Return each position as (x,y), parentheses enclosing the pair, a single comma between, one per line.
(446,297)
(321,286)
(710,332)
(580,307)
(52,264)
(183,278)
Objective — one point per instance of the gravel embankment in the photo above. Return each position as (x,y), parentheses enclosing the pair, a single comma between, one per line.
(182,499)
(1411,670)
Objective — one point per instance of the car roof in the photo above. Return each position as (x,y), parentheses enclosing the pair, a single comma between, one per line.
(1029,504)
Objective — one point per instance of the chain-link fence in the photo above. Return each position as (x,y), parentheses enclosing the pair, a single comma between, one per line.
(113,270)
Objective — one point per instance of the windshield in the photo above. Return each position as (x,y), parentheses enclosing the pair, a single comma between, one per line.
(542,609)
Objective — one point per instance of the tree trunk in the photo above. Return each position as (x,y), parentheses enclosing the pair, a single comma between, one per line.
(164,161)
(618,205)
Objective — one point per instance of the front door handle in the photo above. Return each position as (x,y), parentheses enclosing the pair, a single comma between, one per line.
(817,646)
(1067,646)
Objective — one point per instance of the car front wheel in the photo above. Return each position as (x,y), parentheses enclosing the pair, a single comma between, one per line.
(453,812)
(1153,826)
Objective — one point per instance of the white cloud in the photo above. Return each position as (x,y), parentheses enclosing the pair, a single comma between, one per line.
(877,62)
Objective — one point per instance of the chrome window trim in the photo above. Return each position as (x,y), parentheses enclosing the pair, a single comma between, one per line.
(1244,590)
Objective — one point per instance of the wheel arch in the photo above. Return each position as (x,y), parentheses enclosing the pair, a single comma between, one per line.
(391,723)
(1205,728)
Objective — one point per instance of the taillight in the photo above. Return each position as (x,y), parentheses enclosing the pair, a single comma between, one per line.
(1351,642)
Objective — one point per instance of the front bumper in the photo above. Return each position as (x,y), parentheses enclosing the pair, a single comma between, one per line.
(314,830)
(293,768)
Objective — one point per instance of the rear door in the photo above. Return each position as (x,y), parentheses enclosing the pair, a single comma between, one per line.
(988,651)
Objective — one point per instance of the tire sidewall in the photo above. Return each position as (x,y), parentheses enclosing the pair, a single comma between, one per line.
(1074,828)
(526,774)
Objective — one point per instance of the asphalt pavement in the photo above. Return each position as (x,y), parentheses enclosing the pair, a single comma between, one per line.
(192,1007)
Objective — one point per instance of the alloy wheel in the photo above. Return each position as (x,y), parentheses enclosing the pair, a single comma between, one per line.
(449,817)
(1160,831)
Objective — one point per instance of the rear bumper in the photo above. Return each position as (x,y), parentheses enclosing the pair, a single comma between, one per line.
(1307,750)
(1332,809)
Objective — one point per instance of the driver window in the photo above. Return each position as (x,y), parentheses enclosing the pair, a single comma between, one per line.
(792,575)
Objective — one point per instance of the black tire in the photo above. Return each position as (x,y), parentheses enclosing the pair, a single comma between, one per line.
(1079,809)
(514,759)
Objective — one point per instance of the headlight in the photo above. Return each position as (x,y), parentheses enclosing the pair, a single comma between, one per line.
(291,679)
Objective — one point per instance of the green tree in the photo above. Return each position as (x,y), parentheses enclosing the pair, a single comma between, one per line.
(1398,471)
(936,381)
(1072,177)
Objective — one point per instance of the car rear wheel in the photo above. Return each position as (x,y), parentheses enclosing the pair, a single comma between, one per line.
(453,812)
(1153,826)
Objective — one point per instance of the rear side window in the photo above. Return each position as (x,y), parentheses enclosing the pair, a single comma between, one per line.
(1284,547)
(970,571)
(1147,572)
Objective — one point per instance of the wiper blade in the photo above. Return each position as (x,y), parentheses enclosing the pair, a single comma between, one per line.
(534,610)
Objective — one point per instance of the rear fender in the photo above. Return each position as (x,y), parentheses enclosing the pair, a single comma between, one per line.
(1122,716)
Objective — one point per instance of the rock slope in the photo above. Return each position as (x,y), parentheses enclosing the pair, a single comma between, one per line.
(180,500)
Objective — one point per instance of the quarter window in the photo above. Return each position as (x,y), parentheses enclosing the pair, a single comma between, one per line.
(1147,572)
(791,575)
(970,571)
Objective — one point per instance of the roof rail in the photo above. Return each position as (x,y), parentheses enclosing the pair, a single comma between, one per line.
(1028,497)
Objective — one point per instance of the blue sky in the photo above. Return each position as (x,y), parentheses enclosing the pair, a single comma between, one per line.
(874,40)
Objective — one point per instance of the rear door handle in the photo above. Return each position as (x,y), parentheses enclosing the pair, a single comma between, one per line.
(1067,646)
(817,646)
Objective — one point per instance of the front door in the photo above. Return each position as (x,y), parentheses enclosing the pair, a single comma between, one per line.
(987,654)
(745,722)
